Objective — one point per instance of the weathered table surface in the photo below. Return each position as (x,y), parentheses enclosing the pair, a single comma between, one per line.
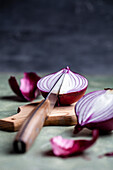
(40,157)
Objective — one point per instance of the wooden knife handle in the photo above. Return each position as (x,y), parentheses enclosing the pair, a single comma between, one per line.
(31,128)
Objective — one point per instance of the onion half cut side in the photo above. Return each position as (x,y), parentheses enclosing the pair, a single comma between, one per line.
(73,88)
(95,111)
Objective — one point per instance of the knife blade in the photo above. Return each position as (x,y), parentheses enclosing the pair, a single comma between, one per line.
(34,123)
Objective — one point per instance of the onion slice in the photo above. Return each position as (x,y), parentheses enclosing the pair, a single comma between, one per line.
(28,88)
(67,147)
(95,111)
(72,89)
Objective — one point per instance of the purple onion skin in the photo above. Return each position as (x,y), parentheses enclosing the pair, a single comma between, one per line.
(103,127)
(69,98)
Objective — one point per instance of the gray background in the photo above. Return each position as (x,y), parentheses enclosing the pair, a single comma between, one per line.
(46,35)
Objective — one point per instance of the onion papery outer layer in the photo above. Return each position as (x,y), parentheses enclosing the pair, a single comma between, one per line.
(95,111)
(66,147)
(14,86)
(28,88)
(73,88)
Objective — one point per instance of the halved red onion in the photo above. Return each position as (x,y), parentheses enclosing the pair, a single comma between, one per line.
(67,147)
(72,89)
(95,111)
(28,88)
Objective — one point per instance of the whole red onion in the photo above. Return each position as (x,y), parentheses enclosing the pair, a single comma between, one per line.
(72,89)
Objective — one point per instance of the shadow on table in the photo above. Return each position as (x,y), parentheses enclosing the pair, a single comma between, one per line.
(83,155)
(12,98)
(83,133)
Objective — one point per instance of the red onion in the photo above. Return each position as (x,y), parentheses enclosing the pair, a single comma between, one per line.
(95,111)
(28,88)
(73,87)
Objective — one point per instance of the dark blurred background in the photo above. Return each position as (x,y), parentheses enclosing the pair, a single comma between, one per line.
(47,35)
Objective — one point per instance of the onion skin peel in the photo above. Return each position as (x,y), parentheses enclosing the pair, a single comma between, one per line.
(27,90)
(67,147)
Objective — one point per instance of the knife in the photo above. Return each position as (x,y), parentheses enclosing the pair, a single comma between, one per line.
(34,123)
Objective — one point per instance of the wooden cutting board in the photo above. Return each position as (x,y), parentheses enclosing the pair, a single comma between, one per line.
(63,115)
